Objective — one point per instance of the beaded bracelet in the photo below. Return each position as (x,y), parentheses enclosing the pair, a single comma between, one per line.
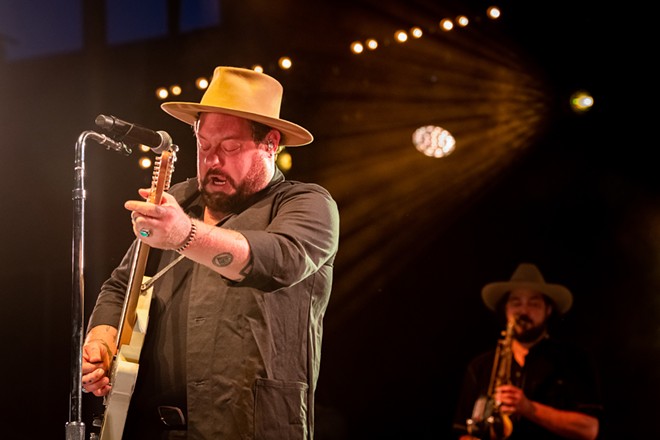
(191,236)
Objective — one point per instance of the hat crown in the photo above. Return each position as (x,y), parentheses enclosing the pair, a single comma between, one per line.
(527,272)
(527,276)
(244,90)
(246,94)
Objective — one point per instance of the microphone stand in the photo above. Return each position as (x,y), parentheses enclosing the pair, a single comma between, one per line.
(75,427)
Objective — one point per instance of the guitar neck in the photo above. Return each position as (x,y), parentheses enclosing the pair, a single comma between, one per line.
(128,316)
(160,183)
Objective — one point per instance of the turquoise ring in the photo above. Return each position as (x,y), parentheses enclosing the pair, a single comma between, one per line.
(145,233)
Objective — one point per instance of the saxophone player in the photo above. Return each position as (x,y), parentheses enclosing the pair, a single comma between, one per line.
(551,390)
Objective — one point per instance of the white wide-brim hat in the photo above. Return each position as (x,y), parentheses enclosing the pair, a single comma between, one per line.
(247,94)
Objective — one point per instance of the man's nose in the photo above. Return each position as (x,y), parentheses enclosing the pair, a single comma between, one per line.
(214,158)
(522,309)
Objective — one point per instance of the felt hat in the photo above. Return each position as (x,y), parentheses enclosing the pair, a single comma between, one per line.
(527,276)
(247,94)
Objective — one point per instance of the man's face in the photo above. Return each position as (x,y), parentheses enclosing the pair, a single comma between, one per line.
(231,166)
(531,311)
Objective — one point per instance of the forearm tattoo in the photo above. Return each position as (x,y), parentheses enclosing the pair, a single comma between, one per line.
(223,260)
(247,268)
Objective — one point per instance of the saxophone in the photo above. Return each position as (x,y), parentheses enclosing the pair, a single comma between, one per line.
(488,422)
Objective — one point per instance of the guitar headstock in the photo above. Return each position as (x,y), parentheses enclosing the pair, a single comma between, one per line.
(162,175)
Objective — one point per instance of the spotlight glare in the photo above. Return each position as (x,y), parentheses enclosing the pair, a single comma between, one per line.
(416,32)
(401,36)
(284,161)
(581,101)
(285,63)
(258,68)
(433,141)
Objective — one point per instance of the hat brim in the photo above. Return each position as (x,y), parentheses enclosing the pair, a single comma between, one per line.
(493,293)
(293,135)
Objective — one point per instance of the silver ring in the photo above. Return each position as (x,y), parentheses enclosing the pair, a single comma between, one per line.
(84,390)
(145,232)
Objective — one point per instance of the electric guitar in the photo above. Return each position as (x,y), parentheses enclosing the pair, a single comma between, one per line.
(134,318)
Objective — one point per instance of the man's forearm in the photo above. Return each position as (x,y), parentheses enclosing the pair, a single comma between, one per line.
(105,333)
(569,424)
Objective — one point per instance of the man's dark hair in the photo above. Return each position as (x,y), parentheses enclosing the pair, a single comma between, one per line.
(259,130)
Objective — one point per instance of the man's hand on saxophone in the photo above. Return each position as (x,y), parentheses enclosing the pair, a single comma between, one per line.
(512,400)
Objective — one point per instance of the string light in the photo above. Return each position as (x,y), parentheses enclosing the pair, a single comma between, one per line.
(144,163)
(162,93)
(357,47)
(401,36)
(201,83)
(446,24)
(493,12)
(175,90)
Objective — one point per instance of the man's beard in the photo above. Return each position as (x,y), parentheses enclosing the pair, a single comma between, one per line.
(221,202)
(530,334)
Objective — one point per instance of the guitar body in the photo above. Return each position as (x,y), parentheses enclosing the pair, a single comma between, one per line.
(125,370)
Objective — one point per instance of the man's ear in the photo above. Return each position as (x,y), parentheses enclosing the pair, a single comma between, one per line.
(549,311)
(273,140)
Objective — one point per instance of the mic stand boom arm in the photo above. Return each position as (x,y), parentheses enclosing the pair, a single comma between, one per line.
(75,428)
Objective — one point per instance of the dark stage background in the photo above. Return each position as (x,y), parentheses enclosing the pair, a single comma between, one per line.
(529,181)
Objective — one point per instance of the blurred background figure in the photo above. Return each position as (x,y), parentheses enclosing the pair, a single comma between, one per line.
(530,386)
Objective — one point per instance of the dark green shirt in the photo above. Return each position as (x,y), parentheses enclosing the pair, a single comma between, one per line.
(241,359)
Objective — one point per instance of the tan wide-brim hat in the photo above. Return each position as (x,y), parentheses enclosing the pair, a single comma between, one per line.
(247,94)
(527,276)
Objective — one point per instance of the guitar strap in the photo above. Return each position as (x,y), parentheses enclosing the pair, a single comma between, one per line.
(162,272)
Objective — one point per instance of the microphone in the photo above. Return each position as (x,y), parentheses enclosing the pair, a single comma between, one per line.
(123,131)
